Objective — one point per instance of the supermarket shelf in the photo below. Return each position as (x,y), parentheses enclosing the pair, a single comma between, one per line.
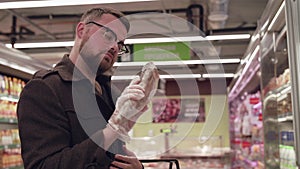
(288,118)
(9,98)
(282,90)
(15,167)
(170,161)
(9,120)
(10,146)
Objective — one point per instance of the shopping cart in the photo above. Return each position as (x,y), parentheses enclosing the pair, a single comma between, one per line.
(170,161)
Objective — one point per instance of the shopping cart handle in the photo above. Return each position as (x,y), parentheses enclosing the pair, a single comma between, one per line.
(170,161)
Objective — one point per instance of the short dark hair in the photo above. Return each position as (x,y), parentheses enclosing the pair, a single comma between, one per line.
(94,13)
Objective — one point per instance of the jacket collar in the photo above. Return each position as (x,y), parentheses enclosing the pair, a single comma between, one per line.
(68,71)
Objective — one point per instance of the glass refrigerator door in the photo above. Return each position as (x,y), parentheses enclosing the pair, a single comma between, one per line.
(280,71)
(276,94)
(293,36)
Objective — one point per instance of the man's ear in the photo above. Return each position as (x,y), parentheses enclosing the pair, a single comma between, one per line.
(79,30)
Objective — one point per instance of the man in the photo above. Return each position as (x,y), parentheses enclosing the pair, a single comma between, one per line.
(63,112)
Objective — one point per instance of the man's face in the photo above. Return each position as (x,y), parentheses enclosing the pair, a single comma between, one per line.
(99,48)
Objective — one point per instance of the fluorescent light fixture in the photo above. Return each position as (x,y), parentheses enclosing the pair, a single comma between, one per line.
(41,44)
(175,76)
(218,75)
(134,41)
(180,76)
(182,62)
(123,77)
(228,37)
(187,39)
(53,3)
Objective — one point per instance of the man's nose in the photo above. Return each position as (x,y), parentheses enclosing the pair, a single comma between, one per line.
(114,47)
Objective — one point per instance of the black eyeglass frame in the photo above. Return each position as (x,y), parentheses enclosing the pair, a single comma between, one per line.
(122,47)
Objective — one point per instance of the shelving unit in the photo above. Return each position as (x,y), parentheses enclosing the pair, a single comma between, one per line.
(10,148)
(268,51)
(16,68)
(247,137)
(277,102)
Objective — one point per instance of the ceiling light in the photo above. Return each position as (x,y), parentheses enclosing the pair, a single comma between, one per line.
(41,44)
(123,77)
(187,39)
(183,62)
(174,76)
(136,41)
(180,76)
(53,3)
(228,37)
(218,75)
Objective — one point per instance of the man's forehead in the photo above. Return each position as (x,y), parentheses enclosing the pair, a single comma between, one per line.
(114,24)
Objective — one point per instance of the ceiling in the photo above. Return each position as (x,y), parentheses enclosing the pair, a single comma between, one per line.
(152,18)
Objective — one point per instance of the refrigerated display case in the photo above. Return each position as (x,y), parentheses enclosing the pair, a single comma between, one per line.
(246,125)
(16,68)
(276,104)
(279,82)
(293,39)
(278,70)
(279,64)
(247,132)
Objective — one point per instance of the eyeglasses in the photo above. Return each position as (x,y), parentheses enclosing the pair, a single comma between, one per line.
(111,36)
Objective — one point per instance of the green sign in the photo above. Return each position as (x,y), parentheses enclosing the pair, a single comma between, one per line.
(171,51)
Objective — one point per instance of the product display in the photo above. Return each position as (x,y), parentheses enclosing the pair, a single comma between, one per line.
(10,149)
(247,132)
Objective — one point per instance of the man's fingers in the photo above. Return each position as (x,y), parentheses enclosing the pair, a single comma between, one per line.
(135,87)
(135,81)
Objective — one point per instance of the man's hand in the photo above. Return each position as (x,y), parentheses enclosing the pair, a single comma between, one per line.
(126,114)
(134,100)
(126,162)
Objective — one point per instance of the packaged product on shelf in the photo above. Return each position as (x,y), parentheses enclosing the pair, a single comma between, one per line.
(10,157)
(2,84)
(6,90)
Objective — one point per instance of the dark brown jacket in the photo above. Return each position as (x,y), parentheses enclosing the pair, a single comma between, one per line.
(60,120)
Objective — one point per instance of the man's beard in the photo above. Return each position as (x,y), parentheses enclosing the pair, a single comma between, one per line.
(93,62)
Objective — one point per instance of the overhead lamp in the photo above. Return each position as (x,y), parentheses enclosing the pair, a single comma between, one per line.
(179,76)
(187,39)
(182,62)
(41,44)
(174,76)
(218,75)
(135,41)
(53,3)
